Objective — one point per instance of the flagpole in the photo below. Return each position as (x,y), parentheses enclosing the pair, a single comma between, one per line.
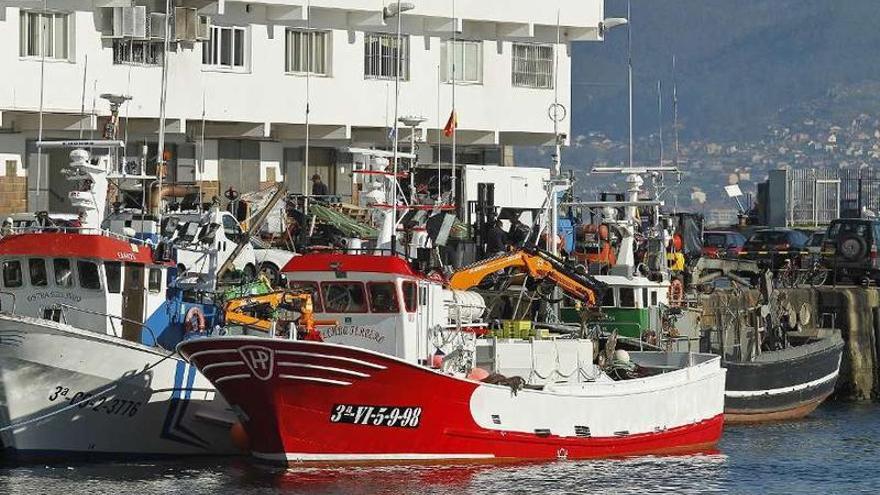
(454,114)
(396,142)
(307,191)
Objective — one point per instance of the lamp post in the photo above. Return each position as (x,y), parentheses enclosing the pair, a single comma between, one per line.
(395,10)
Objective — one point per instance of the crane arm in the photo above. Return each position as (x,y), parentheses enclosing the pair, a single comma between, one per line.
(539,265)
(259,311)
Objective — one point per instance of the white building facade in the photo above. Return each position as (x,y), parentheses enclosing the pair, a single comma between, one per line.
(247,69)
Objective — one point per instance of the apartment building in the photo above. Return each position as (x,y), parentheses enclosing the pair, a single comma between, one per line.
(240,75)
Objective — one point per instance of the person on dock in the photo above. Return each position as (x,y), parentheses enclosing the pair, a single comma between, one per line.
(318,186)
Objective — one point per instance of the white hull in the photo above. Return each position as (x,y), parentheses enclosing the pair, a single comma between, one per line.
(73,391)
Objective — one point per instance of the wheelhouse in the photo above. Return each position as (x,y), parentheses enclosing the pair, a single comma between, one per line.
(101,282)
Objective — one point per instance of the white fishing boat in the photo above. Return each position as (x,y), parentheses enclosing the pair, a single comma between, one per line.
(88,325)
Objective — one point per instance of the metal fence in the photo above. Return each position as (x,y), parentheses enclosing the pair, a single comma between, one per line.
(814,197)
(860,190)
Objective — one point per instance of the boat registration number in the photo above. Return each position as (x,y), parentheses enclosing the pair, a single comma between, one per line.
(395,416)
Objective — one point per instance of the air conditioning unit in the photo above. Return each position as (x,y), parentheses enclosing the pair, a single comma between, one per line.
(157,26)
(204,30)
(186,23)
(125,22)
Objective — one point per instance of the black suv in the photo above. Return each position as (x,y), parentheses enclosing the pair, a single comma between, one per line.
(851,248)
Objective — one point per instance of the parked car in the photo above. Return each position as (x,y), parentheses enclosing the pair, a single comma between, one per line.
(775,246)
(850,247)
(814,245)
(722,244)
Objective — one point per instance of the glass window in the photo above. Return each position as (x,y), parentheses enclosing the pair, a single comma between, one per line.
(155,281)
(88,275)
(344,297)
(311,288)
(380,53)
(627,298)
(63,273)
(653,298)
(226,48)
(137,52)
(43,34)
(306,51)
(12,274)
(644,300)
(467,63)
(532,65)
(37,270)
(383,297)
(410,296)
(113,271)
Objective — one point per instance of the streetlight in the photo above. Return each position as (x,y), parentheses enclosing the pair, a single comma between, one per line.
(611,23)
(394,10)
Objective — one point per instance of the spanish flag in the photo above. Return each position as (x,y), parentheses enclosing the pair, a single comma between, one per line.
(451,124)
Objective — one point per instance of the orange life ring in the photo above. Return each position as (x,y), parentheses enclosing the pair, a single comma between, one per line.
(194,312)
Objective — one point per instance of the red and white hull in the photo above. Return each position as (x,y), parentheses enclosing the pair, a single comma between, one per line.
(319,402)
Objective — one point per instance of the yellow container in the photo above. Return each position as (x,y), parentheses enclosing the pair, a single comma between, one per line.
(517,329)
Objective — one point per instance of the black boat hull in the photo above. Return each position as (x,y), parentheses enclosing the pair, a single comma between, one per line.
(781,385)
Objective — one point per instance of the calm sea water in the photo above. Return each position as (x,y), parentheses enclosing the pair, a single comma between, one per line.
(837,450)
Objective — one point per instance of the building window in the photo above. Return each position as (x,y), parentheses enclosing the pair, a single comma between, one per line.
(307,51)
(380,53)
(532,65)
(468,61)
(225,48)
(137,52)
(44,34)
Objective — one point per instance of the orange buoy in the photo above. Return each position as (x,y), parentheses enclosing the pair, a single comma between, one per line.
(239,437)
(477,374)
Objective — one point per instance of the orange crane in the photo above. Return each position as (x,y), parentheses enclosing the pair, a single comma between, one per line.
(262,310)
(539,265)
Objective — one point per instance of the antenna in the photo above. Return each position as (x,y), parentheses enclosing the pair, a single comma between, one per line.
(660,116)
(163,98)
(674,112)
(307,191)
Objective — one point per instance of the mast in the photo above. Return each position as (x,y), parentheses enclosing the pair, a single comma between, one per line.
(307,191)
(674,112)
(395,156)
(630,77)
(160,161)
(660,116)
(454,112)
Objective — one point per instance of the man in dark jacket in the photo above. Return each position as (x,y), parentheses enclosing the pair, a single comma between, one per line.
(318,187)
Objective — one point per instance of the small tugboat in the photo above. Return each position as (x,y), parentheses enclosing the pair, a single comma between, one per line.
(88,325)
(779,366)
(405,375)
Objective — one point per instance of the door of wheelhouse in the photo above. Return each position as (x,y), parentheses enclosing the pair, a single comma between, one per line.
(133,302)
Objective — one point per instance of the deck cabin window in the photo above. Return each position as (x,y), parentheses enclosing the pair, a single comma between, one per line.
(88,275)
(37,272)
(312,289)
(63,273)
(653,298)
(644,300)
(344,297)
(113,271)
(609,299)
(410,296)
(155,281)
(12,274)
(383,297)
(627,297)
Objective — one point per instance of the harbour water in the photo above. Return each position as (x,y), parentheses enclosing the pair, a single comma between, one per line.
(836,450)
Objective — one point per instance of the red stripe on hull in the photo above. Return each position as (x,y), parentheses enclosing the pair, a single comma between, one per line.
(289,412)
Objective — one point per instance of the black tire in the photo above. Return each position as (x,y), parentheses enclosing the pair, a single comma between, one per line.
(852,248)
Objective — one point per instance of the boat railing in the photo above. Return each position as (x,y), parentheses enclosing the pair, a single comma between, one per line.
(10,294)
(37,229)
(61,307)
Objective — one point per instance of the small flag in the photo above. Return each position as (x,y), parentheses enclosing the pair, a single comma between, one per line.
(451,124)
